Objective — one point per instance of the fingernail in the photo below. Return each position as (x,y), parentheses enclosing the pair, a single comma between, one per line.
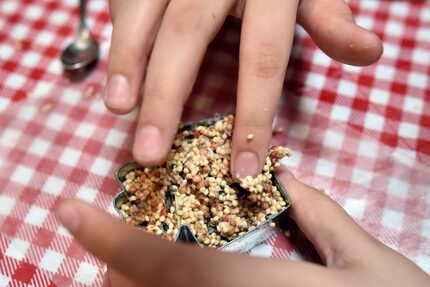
(68,216)
(246,164)
(117,91)
(147,142)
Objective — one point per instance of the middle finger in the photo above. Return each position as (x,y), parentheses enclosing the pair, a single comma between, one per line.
(187,28)
(265,44)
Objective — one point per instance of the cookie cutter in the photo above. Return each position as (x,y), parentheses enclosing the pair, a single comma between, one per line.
(241,243)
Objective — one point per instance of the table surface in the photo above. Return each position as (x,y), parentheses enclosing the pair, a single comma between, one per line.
(362,134)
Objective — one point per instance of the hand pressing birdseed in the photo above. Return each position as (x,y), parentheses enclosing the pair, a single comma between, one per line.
(195,187)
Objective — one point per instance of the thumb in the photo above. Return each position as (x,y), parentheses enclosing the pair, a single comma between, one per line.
(339,240)
(142,257)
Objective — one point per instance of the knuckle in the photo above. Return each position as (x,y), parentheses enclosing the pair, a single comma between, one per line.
(159,99)
(185,18)
(265,62)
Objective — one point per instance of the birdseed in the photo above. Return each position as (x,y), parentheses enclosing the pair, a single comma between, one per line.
(195,187)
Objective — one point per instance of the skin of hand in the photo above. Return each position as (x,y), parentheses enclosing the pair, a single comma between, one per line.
(164,43)
(351,256)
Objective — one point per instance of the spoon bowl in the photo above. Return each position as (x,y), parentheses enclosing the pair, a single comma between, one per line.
(84,50)
(80,53)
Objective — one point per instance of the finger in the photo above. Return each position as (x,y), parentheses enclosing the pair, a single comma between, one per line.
(187,28)
(331,25)
(266,39)
(339,240)
(141,257)
(116,279)
(238,9)
(135,24)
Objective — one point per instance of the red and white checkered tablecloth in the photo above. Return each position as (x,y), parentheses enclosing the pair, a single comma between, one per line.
(362,134)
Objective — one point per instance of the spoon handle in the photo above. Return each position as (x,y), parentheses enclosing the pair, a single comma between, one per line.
(82,16)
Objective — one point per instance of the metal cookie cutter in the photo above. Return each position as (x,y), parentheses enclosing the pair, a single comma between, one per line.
(241,243)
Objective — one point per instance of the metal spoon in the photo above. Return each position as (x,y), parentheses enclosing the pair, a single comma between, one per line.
(84,50)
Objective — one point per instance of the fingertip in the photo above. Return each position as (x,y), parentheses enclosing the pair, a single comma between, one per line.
(118,97)
(371,48)
(250,145)
(148,148)
(69,216)
(351,44)
(245,163)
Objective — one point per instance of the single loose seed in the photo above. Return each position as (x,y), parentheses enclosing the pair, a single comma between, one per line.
(250,137)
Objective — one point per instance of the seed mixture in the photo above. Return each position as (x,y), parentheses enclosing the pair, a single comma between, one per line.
(195,187)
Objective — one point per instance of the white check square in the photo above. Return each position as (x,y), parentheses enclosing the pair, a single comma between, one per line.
(101,166)
(299,130)
(4,280)
(39,147)
(22,175)
(409,130)
(340,113)
(378,96)
(362,177)
(413,105)
(419,80)
(115,138)
(6,204)
(262,250)
(392,219)
(14,81)
(347,88)
(355,207)
(27,112)
(326,168)
(333,139)
(56,121)
(6,51)
(70,156)
(374,122)
(384,72)
(394,28)
(315,80)
(54,185)
(17,249)
(391,51)
(9,138)
(51,260)
(86,273)
(36,216)
(87,194)
(420,56)
(85,130)
(398,187)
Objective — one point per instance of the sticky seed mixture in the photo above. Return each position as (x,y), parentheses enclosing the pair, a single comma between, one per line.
(195,187)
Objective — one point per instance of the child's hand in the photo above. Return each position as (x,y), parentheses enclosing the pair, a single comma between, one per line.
(352,257)
(178,33)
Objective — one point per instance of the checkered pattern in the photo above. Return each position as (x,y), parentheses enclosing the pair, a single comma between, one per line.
(362,134)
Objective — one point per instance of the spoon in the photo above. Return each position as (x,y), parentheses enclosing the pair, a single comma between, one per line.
(84,50)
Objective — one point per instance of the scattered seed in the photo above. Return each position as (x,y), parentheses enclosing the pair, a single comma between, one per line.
(18,45)
(277,130)
(89,91)
(272,224)
(250,137)
(47,107)
(287,233)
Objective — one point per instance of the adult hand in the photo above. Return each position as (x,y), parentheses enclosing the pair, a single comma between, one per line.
(350,255)
(178,33)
